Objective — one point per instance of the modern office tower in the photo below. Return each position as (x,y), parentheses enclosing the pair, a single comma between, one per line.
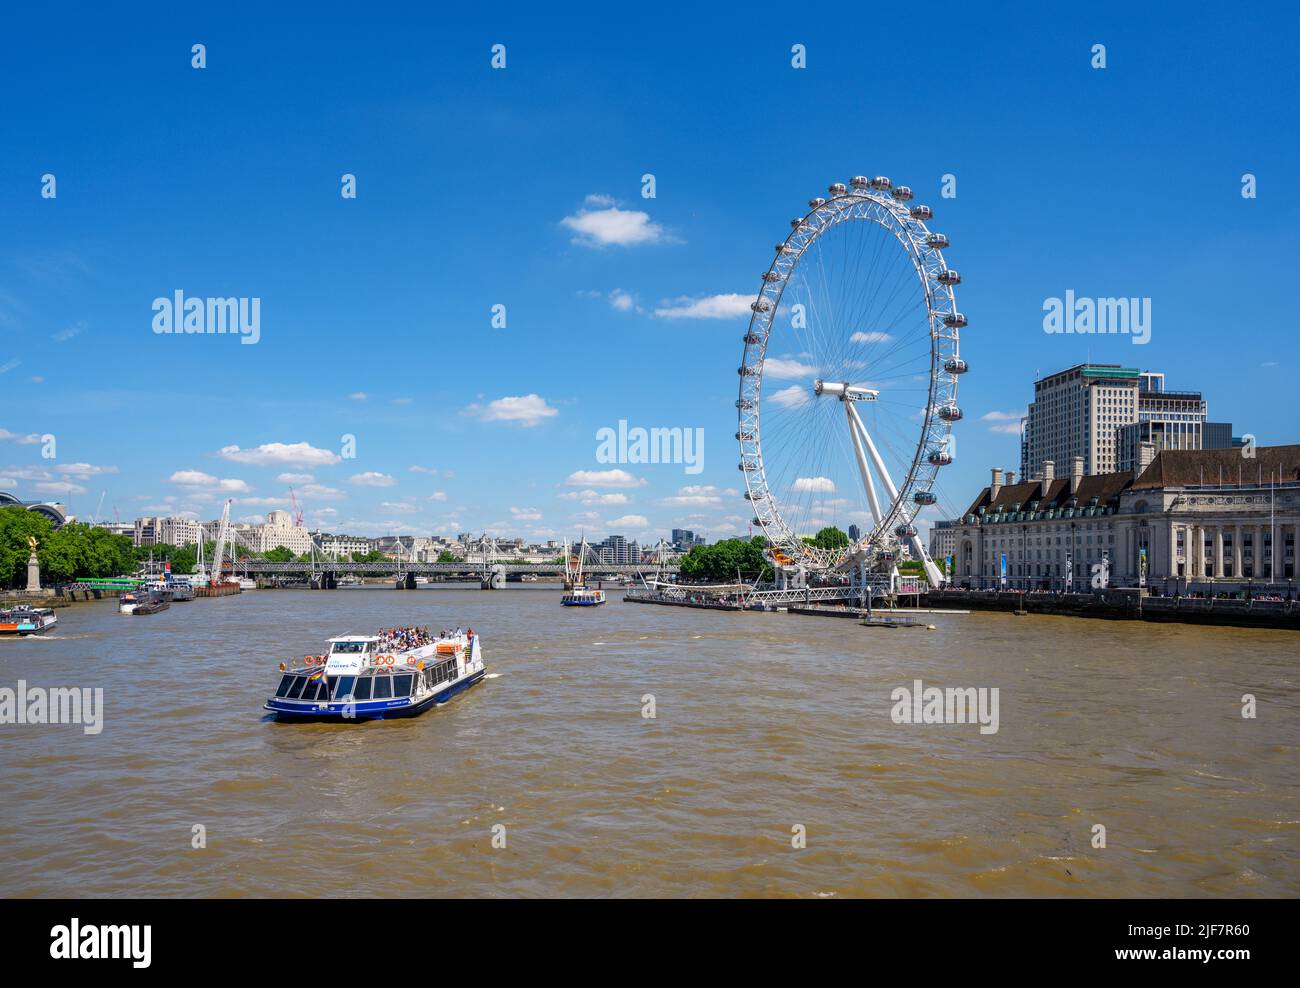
(1104,412)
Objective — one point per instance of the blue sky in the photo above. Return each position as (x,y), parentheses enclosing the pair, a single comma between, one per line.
(522,187)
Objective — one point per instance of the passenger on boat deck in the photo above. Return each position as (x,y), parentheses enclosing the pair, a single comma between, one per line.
(403,639)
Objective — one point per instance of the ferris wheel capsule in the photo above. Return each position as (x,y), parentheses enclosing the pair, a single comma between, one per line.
(905,531)
(770,276)
(954,320)
(921,213)
(948,277)
(924,498)
(816,203)
(837,189)
(881,184)
(955,365)
(860,182)
(950,413)
(939,458)
(752,338)
(936,240)
(761,305)
(902,193)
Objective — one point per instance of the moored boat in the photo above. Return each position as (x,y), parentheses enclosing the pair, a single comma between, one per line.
(143,602)
(576,592)
(25,620)
(400,673)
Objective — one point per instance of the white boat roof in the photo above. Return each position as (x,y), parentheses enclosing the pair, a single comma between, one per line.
(354,638)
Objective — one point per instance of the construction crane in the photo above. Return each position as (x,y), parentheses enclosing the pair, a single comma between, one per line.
(297,509)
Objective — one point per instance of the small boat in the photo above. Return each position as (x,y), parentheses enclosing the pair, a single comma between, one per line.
(576,592)
(142,602)
(371,677)
(26,620)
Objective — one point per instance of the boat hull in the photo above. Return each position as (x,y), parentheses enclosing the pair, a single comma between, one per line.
(290,710)
(25,627)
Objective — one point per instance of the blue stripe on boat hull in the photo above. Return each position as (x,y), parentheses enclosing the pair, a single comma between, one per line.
(288,710)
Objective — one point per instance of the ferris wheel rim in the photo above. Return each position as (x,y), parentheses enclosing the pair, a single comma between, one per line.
(924,249)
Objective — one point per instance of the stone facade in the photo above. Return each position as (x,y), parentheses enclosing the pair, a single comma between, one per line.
(1242,514)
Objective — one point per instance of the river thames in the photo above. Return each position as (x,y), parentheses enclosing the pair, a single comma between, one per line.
(765,726)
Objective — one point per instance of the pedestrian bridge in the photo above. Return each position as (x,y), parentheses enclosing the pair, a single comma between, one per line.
(469,568)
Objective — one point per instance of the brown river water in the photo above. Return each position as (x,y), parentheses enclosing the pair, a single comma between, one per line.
(765,725)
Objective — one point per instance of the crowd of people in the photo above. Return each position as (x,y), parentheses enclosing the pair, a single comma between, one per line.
(403,639)
(406,639)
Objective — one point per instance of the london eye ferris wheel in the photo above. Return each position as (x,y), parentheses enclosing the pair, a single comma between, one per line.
(848,386)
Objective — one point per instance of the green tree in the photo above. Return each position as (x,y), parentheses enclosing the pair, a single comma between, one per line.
(447,557)
(720,562)
(829,538)
(279,555)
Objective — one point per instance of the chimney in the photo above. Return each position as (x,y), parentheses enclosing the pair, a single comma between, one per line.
(1049,475)
(1011,477)
(1146,453)
(1076,474)
(995,485)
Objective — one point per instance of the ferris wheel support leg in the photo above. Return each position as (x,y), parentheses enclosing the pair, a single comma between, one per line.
(876,461)
(862,463)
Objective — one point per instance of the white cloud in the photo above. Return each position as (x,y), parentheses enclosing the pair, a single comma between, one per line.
(358,396)
(606,224)
(431,471)
(697,496)
(286,454)
(58,487)
(873,337)
(816,485)
(1004,422)
(778,367)
(589,497)
(9,365)
(404,506)
(630,521)
(319,492)
(708,307)
(621,300)
(438,496)
(76,329)
(294,478)
(526,514)
(402,401)
(372,478)
(527,410)
(21,439)
(603,478)
(795,396)
(83,471)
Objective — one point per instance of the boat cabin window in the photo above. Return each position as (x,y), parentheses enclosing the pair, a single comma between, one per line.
(402,685)
(295,691)
(383,687)
(343,687)
(362,690)
(285,683)
(310,691)
(348,648)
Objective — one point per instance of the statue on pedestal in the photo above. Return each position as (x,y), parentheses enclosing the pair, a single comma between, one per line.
(33,567)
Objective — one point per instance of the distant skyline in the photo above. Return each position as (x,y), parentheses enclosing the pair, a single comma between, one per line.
(390,389)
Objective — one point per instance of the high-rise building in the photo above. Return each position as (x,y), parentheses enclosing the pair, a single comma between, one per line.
(855,533)
(1104,412)
(617,551)
(683,539)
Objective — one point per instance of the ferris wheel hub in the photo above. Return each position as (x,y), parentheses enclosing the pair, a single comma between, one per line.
(845,391)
